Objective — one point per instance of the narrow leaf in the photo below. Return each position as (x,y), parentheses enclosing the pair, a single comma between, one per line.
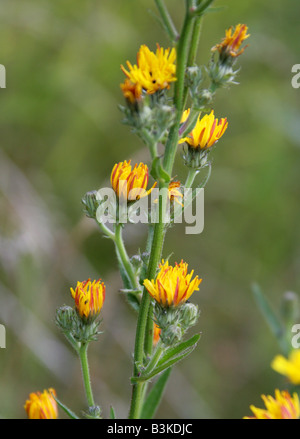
(271,318)
(65,408)
(112,414)
(180,348)
(162,367)
(155,395)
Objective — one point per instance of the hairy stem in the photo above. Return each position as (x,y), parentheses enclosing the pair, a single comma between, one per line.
(86,374)
(144,333)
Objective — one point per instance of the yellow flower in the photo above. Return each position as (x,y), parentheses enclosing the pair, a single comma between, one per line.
(283,406)
(173,286)
(132,92)
(41,405)
(289,367)
(89,298)
(153,71)
(206,132)
(156,334)
(232,42)
(174,193)
(130,183)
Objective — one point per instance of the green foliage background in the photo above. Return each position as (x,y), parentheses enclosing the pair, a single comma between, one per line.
(61,134)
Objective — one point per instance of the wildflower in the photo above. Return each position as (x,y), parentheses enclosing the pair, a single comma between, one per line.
(89,298)
(173,285)
(230,45)
(41,405)
(289,367)
(130,183)
(156,334)
(153,71)
(206,132)
(283,406)
(131,91)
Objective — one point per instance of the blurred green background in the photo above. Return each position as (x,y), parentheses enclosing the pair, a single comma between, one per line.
(61,134)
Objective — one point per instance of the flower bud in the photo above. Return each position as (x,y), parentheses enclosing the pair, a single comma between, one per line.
(65,318)
(41,405)
(172,335)
(91,203)
(189,315)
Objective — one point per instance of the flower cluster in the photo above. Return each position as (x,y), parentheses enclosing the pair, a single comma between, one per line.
(159,292)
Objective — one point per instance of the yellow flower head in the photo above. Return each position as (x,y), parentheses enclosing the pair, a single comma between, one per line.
(156,334)
(41,405)
(206,132)
(130,183)
(173,285)
(283,406)
(153,71)
(174,193)
(89,298)
(132,92)
(289,367)
(233,40)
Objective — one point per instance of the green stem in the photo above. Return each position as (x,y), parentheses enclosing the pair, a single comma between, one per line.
(106,230)
(167,20)
(151,143)
(182,56)
(190,177)
(143,322)
(124,257)
(86,374)
(144,340)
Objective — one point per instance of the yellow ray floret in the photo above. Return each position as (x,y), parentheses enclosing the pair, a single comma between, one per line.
(153,71)
(206,132)
(130,183)
(173,285)
(89,297)
(233,40)
(41,405)
(289,367)
(283,406)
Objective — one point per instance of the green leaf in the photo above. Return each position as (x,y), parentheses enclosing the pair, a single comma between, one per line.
(178,349)
(271,318)
(112,414)
(133,301)
(172,356)
(161,368)
(65,408)
(155,395)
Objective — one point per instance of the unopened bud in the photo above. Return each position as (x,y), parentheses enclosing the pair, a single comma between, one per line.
(65,318)
(189,315)
(91,203)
